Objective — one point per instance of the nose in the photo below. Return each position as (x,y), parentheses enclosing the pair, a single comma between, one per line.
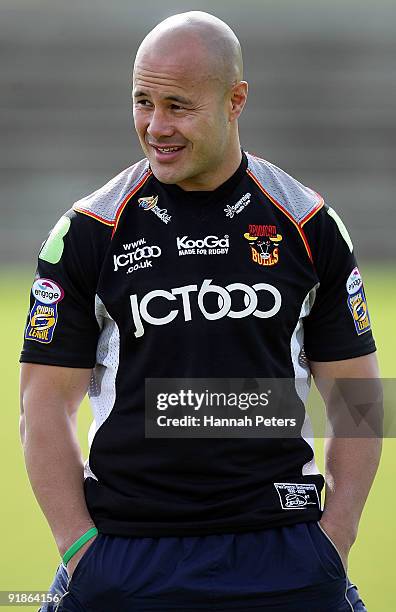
(159,125)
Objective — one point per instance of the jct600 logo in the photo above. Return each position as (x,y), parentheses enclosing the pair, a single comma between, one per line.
(182,295)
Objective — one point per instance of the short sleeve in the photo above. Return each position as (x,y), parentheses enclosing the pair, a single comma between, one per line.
(339,325)
(61,327)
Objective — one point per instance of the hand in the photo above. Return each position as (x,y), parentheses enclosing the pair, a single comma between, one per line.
(72,564)
(342,540)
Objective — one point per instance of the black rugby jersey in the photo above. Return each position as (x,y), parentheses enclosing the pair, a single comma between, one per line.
(144,280)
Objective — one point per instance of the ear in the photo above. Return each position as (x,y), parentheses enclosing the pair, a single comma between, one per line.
(238,97)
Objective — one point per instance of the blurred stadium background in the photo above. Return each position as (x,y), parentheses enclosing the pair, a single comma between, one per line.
(322,106)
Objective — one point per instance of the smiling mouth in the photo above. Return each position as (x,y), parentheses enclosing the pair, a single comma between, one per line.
(171,149)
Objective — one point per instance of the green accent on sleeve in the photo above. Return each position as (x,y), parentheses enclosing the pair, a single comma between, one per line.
(53,247)
(341,227)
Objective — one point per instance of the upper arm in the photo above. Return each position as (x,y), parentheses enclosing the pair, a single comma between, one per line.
(344,396)
(62,330)
(365,366)
(46,389)
(325,373)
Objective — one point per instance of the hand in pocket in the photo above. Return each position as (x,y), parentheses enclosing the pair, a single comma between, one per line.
(342,545)
(71,566)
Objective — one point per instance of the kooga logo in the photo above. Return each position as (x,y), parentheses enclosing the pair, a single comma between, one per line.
(183,295)
(209,242)
(210,245)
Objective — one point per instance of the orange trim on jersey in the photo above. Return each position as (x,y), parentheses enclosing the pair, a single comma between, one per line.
(298,226)
(127,198)
(121,207)
(91,214)
(313,212)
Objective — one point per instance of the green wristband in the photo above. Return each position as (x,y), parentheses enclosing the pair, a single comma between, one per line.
(79,544)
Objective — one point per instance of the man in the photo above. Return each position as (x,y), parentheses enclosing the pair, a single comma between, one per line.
(200,261)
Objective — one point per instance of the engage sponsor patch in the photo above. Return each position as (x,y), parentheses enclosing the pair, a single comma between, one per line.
(354,282)
(295,496)
(44,314)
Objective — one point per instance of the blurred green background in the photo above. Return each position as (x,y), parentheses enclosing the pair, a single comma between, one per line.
(29,556)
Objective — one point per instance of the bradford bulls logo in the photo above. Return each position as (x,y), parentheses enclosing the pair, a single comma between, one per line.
(264,244)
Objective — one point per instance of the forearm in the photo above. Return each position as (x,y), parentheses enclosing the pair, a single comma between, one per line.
(350,468)
(55,468)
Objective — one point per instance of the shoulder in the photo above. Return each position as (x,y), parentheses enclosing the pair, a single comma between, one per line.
(105,204)
(296,200)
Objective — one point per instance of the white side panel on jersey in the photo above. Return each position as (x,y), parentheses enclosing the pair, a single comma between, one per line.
(302,375)
(292,195)
(105,202)
(102,390)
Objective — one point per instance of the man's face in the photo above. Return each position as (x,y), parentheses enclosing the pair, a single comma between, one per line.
(181,120)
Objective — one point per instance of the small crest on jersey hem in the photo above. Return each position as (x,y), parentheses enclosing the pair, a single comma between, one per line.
(297,496)
(264,244)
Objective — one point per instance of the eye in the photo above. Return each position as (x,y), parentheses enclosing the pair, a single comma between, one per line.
(142,102)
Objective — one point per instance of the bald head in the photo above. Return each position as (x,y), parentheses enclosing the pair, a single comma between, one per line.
(188,94)
(205,42)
